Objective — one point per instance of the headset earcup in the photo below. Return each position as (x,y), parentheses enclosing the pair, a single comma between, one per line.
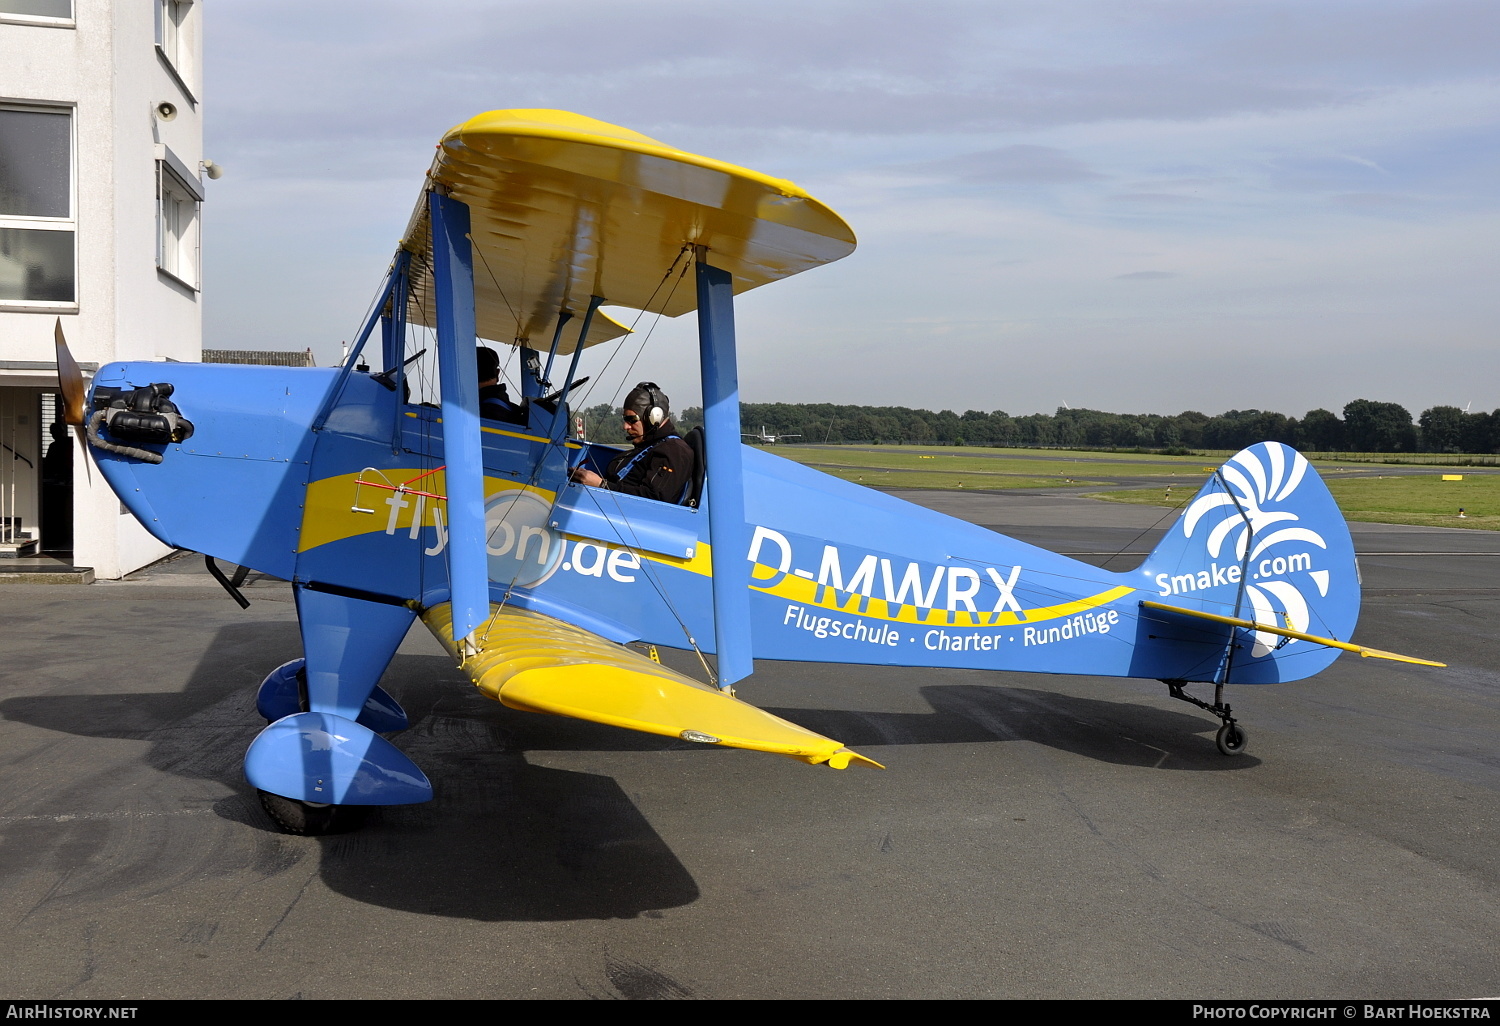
(655,416)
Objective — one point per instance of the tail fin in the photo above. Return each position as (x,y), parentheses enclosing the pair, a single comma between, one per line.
(1262,541)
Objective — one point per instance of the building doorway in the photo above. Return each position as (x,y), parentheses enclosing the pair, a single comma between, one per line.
(36,475)
(58,451)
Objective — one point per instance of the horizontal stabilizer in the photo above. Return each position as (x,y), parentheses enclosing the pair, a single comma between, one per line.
(1252,625)
(536,663)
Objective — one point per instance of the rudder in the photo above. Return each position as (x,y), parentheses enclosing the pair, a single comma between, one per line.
(1262,540)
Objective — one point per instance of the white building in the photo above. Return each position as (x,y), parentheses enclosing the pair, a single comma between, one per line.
(101,179)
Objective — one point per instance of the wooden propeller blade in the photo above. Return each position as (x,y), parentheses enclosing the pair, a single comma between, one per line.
(70,378)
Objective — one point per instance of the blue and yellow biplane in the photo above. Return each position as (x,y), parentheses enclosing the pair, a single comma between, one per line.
(381,510)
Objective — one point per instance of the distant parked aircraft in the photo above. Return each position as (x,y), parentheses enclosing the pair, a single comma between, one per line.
(764,438)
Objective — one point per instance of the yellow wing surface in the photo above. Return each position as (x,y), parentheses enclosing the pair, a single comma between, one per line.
(564,207)
(536,663)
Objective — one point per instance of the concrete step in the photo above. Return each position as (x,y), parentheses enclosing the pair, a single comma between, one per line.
(55,574)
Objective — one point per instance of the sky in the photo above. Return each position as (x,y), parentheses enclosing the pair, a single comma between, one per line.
(1142,207)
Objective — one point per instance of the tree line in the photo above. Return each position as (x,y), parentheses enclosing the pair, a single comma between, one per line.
(1366,426)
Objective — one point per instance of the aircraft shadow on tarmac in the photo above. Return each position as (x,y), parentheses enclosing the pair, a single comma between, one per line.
(508,840)
(1123,733)
(502,840)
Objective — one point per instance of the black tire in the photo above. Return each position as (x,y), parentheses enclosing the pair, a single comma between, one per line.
(1232,739)
(309,819)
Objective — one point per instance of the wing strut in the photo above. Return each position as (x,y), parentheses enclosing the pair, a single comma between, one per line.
(394,277)
(726,506)
(458,373)
(560,417)
(562,319)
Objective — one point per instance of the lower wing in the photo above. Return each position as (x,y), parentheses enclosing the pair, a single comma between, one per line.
(537,663)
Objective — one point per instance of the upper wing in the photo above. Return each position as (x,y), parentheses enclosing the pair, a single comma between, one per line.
(564,207)
(540,664)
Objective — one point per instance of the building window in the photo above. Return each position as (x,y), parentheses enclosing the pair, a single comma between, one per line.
(170,17)
(174,41)
(38,261)
(43,12)
(178,202)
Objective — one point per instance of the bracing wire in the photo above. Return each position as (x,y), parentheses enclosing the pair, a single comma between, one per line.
(658,588)
(646,569)
(642,348)
(380,294)
(503,298)
(599,377)
(530,483)
(505,367)
(1172,510)
(424,376)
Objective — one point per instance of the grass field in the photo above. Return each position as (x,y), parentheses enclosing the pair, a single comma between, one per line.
(909,466)
(1422,499)
(1425,500)
(967,480)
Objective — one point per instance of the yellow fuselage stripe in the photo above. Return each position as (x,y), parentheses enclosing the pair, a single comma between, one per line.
(810,593)
(330,515)
(329,512)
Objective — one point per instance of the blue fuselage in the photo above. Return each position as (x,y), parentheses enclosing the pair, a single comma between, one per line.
(839,572)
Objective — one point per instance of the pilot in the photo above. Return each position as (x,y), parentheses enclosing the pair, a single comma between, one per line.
(494,400)
(659,464)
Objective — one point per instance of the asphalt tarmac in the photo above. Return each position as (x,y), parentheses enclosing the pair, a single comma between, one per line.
(1033,836)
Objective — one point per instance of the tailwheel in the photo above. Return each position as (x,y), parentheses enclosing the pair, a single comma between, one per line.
(1232,739)
(312,819)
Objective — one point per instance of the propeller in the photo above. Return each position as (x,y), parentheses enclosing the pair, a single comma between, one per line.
(70,378)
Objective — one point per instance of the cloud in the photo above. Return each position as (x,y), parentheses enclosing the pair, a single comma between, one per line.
(1323,173)
(1019,163)
(1376,202)
(883,68)
(1152,197)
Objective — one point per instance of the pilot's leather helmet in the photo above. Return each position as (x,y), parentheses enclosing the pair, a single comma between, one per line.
(487,362)
(649,402)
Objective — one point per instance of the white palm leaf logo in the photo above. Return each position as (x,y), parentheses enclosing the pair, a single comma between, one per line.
(1261,476)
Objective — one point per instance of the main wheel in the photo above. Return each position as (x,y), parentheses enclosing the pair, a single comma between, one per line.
(312,819)
(1231,739)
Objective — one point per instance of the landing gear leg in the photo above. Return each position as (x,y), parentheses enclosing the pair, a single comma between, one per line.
(319,768)
(1232,737)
